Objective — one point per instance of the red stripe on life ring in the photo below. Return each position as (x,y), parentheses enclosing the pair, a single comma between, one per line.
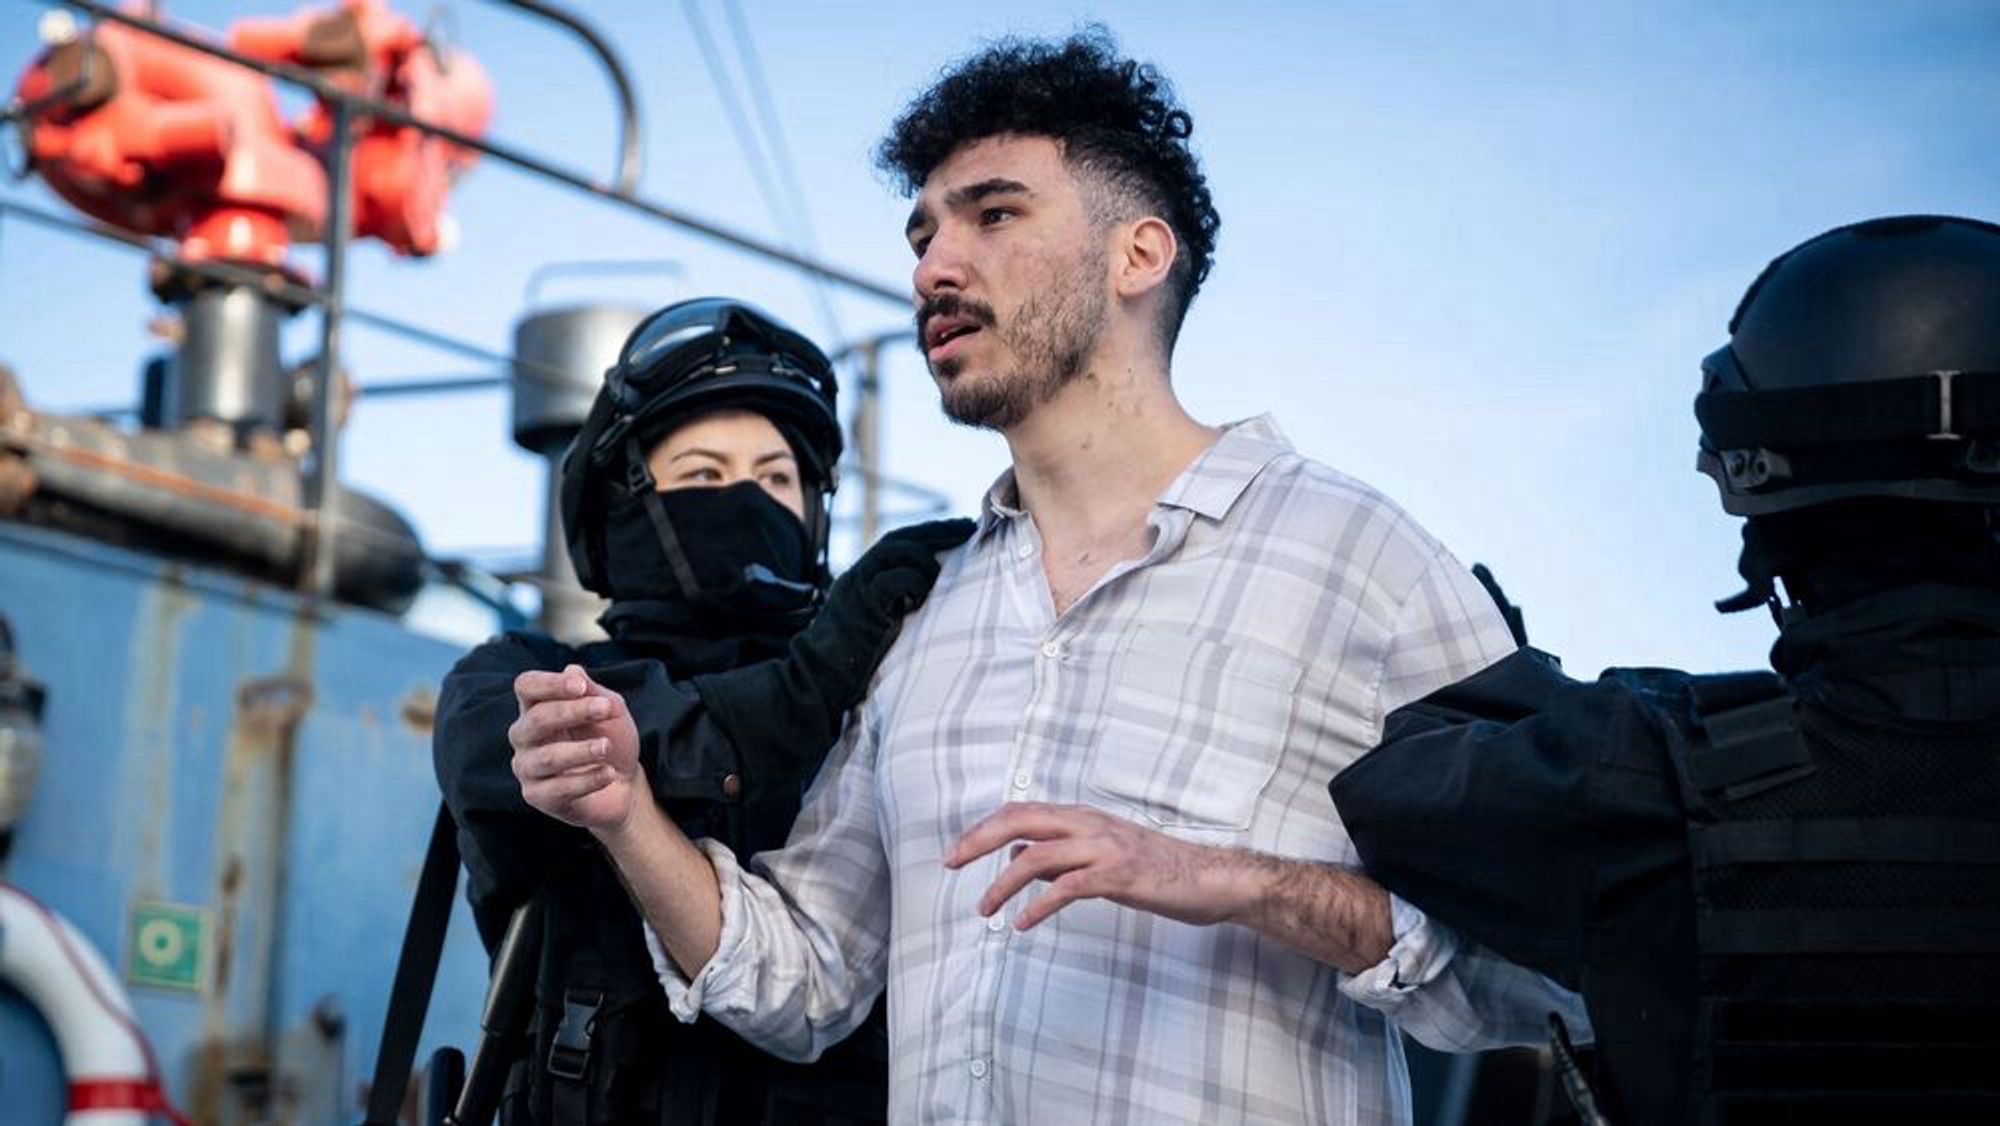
(122,1094)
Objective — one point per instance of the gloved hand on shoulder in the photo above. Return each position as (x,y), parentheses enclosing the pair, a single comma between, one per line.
(783,714)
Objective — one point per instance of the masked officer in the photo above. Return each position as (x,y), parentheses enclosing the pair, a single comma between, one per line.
(696,498)
(1780,894)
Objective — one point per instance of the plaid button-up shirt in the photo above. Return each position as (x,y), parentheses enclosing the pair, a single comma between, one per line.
(1209,690)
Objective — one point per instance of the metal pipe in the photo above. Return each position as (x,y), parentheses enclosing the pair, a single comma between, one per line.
(321,466)
(532,292)
(269,281)
(868,440)
(866,425)
(371,107)
(275,286)
(629,156)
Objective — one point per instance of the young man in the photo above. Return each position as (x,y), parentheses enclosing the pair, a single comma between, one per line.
(1127,691)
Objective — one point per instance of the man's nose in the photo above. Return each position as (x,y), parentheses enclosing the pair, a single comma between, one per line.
(942,266)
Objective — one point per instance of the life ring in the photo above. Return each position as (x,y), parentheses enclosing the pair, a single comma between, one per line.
(113,1077)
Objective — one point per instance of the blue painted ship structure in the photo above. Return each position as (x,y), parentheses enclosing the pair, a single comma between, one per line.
(218,666)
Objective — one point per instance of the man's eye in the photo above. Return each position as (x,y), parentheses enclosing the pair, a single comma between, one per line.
(918,247)
(994,215)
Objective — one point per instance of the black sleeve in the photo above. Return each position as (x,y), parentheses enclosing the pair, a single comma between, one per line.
(508,846)
(1512,805)
(684,752)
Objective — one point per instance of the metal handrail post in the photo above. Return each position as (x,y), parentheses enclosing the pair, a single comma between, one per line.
(320,479)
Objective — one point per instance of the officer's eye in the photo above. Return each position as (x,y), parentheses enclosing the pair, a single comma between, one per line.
(779,479)
(705,474)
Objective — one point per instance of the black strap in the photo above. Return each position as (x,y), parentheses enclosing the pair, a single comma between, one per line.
(416,971)
(1932,405)
(642,481)
(1748,744)
(1791,933)
(1891,840)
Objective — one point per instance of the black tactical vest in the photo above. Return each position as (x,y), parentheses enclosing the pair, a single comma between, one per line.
(1847,881)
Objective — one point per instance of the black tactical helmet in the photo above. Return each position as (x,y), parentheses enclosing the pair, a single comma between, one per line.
(1862,363)
(688,359)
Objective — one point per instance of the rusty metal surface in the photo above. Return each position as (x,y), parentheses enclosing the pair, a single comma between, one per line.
(211,745)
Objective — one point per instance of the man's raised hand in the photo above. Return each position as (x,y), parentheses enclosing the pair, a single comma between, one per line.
(576,749)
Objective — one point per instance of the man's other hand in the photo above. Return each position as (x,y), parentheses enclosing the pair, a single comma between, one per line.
(1324,911)
(1086,853)
(576,749)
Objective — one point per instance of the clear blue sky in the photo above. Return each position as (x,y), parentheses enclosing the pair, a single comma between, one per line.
(1471,253)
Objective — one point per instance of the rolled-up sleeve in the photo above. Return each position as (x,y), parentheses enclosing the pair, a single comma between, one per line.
(805,929)
(1454,996)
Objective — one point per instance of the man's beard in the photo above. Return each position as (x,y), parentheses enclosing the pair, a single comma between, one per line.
(1052,335)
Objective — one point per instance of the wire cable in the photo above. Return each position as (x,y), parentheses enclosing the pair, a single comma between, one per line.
(780,150)
(753,149)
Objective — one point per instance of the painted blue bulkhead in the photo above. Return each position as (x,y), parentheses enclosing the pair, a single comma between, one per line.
(206,745)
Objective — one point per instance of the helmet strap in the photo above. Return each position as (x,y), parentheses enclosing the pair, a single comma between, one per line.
(639,478)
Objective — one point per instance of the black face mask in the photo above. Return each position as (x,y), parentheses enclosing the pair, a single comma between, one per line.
(739,548)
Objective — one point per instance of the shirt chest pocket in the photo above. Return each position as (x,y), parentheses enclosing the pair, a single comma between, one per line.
(1193,729)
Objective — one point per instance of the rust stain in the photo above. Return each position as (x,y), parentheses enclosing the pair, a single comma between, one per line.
(17,483)
(155,655)
(418,710)
(253,834)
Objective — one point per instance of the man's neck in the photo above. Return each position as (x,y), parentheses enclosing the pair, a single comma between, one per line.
(1090,462)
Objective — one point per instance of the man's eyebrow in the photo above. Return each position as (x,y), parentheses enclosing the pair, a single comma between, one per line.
(969,194)
(985,189)
(775,455)
(697,451)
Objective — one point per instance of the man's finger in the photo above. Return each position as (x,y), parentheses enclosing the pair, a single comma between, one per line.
(559,758)
(1067,889)
(1044,861)
(535,686)
(553,720)
(1034,821)
(596,691)
(567,787)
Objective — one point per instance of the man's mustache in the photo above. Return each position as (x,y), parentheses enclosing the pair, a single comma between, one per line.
(952,305)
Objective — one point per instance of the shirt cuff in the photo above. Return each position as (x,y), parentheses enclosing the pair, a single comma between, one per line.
(686,996)
(1419,952)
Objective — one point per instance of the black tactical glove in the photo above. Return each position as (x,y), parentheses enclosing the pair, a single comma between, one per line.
(783,714)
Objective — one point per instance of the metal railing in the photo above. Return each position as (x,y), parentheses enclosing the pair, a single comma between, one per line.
(345,109)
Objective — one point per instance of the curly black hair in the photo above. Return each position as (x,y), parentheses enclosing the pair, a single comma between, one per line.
(1114,117)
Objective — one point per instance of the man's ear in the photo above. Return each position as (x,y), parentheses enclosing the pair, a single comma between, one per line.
(1145,255)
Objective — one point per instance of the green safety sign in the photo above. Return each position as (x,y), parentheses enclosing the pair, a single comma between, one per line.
(167,945)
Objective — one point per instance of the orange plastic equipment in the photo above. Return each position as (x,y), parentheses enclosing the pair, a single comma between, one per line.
(401,175)
(167,141)
(164,140)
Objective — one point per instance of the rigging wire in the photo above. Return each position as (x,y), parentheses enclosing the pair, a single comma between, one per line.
(753,151)
(779,146)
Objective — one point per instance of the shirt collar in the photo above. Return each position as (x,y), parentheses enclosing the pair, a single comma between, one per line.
(1208,487)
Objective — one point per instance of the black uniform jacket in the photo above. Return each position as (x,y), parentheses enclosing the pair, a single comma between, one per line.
(1544,818)
(592,942)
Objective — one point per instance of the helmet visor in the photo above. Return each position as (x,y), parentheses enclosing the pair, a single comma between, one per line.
(689,340)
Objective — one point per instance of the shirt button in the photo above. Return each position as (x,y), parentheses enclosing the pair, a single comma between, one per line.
(994,922)
(1052,649)
(732,786)
(979,1069)
(1026,550)
(1021,780)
